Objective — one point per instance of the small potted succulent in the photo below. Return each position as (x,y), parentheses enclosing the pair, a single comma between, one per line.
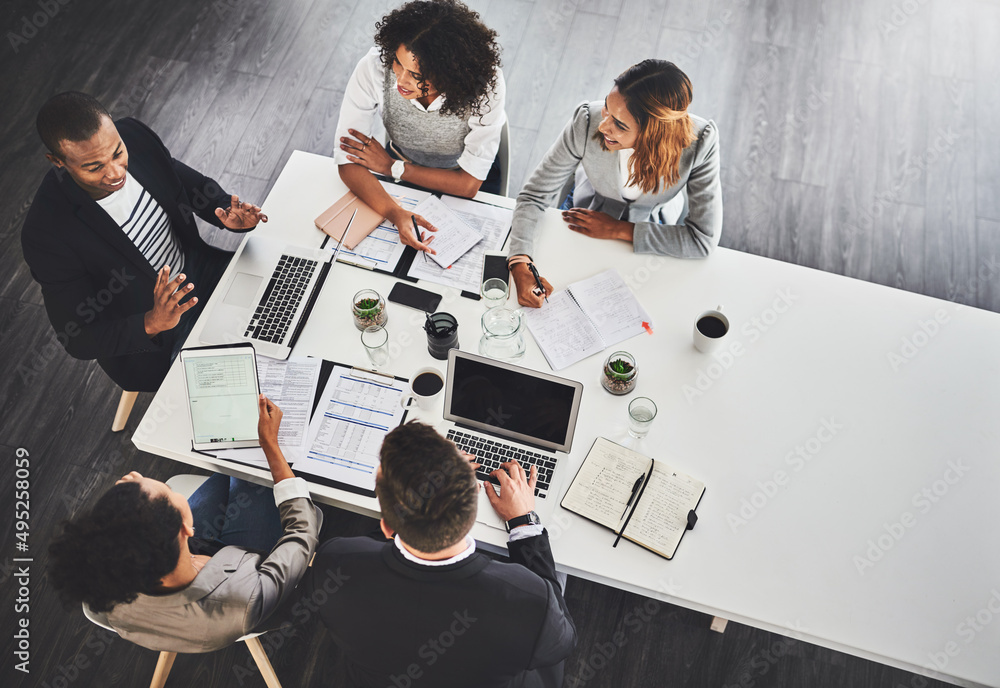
(368,309)
(620,373)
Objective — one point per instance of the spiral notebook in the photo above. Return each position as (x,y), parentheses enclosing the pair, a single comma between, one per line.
(586,318)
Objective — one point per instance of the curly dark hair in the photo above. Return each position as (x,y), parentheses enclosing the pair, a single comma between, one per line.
(427,492)
(457,53)
(122,547)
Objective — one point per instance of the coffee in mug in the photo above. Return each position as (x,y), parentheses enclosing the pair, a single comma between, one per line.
(425,388)
(710,329)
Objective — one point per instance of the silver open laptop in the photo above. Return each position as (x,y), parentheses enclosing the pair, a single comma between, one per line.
(267,299)
(501,412)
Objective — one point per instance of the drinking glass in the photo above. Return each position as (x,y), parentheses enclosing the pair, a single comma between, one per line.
(494,292)
(641,413)
(376,341)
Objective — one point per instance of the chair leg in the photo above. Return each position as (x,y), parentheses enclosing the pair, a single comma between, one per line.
(263,663)
(719,624)
(124,409)
(163,666)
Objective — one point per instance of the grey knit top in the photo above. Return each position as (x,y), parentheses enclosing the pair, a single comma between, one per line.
(598,187)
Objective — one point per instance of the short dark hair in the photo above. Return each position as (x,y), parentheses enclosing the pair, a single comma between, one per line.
(427,491)
(457,53)
(69,116)
(122,547)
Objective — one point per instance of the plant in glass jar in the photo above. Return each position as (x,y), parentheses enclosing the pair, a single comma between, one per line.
(368,309)
(620,373)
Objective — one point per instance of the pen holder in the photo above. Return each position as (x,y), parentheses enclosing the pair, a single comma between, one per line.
(442,334)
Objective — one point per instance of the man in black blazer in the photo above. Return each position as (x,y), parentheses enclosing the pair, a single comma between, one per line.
(426,609)
(92,255)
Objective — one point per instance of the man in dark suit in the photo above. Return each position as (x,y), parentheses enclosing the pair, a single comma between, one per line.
(426,609)
(111,239)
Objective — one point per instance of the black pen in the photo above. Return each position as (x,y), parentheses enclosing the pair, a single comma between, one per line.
(538,281)
(635,491)
(413,219)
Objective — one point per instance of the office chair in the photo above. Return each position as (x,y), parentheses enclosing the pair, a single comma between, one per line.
(186,485)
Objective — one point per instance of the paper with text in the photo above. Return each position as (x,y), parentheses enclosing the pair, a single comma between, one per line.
(466,273)
(453,237)
(382,249)
(563,333)
(354,415)
(291,385)
(660,519)
(611,306)
(604,484)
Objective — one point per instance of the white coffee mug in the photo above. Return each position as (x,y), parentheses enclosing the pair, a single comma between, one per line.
(424,397)
(714,326)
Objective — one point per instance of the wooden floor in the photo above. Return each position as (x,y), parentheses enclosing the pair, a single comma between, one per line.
(858,137)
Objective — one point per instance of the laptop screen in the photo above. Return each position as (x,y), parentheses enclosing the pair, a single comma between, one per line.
(511,401)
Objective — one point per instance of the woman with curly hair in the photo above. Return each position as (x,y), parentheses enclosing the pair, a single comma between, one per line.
(632,155)
(434,79)
(135,556)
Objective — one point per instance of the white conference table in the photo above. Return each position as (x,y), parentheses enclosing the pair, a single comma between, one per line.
(839,404)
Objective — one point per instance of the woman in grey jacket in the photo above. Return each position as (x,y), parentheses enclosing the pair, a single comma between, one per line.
(134,555)
(632,156)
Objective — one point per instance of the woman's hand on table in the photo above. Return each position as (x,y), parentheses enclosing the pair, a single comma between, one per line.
(594,223)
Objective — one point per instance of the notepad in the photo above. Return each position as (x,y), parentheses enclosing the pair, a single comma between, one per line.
(453,237)
(657,517)
(586,318)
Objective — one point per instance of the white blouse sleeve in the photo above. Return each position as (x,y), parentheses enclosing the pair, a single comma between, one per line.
(362,101)
(483,141)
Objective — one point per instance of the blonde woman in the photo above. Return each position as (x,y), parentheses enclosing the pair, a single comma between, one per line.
(632,155)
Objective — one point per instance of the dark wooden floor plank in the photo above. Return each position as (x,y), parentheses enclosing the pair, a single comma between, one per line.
(950,161)
(263,142)
(821,96)
(535,71)
(987,40)
(898,252)
(850,204)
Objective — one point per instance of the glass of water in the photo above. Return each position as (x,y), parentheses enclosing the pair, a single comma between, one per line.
(641,413)
(494,292)
(376,341)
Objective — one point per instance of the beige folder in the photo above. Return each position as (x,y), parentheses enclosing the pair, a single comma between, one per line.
(334,220)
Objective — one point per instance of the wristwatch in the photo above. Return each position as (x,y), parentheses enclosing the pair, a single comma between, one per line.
(529,519)
(397,170)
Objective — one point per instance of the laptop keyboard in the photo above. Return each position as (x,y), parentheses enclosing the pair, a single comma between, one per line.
(491,454)
(281,299)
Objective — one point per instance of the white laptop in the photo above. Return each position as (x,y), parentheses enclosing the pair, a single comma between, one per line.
(268,298)
(499,411)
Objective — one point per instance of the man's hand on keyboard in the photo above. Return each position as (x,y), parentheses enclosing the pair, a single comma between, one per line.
(517,491)
(471,459)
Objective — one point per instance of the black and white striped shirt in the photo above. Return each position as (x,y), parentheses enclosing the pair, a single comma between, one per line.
(146,224)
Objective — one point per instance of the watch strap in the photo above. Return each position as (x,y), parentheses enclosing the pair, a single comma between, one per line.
(530,518)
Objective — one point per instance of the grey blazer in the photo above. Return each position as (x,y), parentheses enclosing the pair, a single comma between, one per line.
(234,593)
(598,188)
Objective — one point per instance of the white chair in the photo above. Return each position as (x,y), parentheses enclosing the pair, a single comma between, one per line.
(503,158)
(186,485)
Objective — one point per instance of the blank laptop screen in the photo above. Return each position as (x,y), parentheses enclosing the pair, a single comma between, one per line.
(511,401)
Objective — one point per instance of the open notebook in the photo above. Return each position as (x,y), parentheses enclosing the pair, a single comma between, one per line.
(642,500)
(586,318)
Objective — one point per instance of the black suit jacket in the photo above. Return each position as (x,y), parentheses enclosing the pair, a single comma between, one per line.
(476,623)
(96,284)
